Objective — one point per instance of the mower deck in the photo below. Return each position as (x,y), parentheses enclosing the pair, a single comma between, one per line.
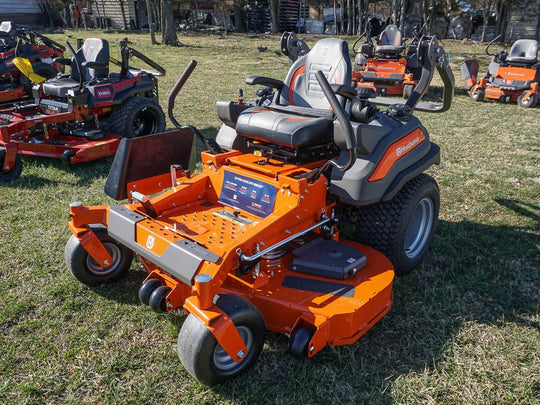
(207,221)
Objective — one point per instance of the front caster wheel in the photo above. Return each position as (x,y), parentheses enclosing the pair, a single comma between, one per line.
(403,227)
(147,289)
(530,102)
(477,94)
(298,343)
(200,352)
(85,269)
(157,299)
(14,172)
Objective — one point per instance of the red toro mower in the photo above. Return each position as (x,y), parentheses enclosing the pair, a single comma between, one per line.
(383,67)
(81,116)
(511,77)
(252,243)
(36,48)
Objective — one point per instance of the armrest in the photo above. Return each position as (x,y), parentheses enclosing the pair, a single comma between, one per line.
(343,90)
(265,81)
(62,61)
(94,65)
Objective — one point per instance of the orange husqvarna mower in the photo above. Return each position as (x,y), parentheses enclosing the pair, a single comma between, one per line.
(511,77)
(38,49)
(252,242)
(384,67)
(82,115)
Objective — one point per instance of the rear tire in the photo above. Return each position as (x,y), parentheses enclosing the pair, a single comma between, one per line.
(530,102)
(403,227)
(200,352)
(478,95)
(14,173)
(137,117)
(85,269)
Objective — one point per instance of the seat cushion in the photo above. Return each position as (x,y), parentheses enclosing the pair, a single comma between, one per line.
(284,129)
(389,49)
(522,60)
(59,87)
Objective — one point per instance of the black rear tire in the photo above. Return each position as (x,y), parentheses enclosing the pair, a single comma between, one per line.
(15,171)
(85,269)
(137,117)
(530,102)
(41,68)
(204,358)
(403,227)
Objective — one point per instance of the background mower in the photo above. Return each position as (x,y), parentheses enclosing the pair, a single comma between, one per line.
(511,77)
(252,242)
(382,67)
(82,115)
(36,48)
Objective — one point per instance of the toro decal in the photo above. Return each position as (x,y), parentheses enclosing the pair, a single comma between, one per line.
(104,93)
(397,150)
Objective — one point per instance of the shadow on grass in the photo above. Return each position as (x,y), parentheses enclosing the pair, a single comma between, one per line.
(85,172)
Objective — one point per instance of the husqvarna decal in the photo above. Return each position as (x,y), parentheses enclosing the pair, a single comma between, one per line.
(395,152)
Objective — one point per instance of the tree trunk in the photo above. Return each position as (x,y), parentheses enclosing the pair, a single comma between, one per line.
(349,17)
(402,16)
(168,28)
(123,11)
(150,21)
(341,16)
(274,4)
(335,19)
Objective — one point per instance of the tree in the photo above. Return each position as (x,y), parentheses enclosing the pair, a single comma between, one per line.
(150,15)
(168,28)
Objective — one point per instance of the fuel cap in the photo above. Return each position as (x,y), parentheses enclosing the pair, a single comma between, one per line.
(399,110)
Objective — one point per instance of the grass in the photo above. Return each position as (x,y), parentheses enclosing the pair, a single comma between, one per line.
(464,327)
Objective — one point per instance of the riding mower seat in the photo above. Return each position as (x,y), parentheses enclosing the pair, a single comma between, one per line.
(8,34)
(523,53)
(94,62)
(390,41)
(300,114)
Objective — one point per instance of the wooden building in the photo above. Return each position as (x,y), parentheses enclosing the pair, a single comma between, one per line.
(23,12)
(523,20)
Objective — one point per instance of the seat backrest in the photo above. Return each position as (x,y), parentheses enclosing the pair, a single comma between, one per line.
(93,50)
(525,48)
(8,29)
(329,55)
(390,36)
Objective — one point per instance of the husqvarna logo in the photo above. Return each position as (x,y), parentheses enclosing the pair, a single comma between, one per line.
(325,51)
(405,148)
(150,242)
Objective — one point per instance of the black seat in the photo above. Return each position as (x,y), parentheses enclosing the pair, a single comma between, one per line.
(93,58)
(523,53)
(300,115)
(390,41)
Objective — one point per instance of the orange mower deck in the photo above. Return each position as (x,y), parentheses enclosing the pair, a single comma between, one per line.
(337,311)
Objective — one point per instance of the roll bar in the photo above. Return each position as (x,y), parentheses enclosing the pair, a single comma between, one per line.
(432,56)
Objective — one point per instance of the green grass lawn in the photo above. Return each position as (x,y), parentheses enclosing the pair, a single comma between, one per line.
(464,327)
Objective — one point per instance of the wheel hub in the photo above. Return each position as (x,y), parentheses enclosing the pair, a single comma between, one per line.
(419,228)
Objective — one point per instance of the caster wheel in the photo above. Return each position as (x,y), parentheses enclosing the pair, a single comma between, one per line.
(298,343)
(85,269)
(201,354)
(147,289)
(157,299)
